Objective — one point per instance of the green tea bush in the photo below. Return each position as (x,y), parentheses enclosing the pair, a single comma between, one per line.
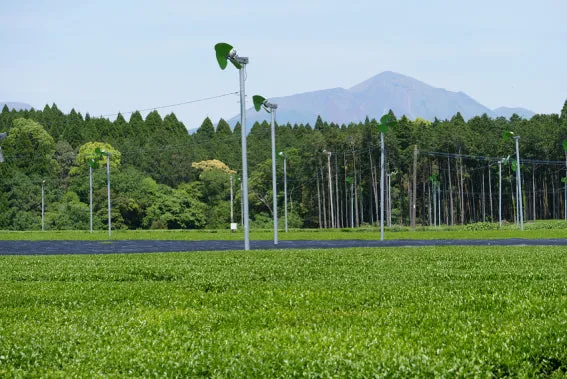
(399,312)
(480,226)
(546,225)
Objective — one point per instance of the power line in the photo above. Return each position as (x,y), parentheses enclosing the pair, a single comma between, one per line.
(172,105)
(490,159)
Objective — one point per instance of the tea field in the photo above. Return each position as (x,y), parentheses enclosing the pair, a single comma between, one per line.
(395,312)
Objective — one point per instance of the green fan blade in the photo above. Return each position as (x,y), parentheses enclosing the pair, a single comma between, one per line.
(92,163)
(258,102)
(382,128)
(563,180)
(98,151)
(565,145)
(236,64)
(386,122)
(514,165)
(506,135)
(222,51)
(348,180)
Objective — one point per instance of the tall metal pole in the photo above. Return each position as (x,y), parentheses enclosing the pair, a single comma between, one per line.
(351,205)
(439,203)
(244,156)
(519,183)
(330,188)
(285,188)
(2,136)
(91,197)
(274,184)
(42,205)
(108,192)
(413,204)
(231,201)
(434,205)
(382,186)
(389,200)
(500,192)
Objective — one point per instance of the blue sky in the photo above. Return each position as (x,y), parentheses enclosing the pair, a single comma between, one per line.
(105,56)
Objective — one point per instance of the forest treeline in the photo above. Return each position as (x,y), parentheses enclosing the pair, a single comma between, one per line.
(164,177)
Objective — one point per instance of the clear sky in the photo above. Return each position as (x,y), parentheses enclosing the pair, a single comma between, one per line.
(105,56)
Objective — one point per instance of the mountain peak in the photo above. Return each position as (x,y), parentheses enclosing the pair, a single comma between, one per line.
(374,97)
(14,105)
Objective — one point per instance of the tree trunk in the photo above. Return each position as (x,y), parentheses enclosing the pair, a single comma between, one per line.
(462,190)
(414,189)
(472,202)
(426,186)
(554,214)
(323,197)
(357,219)
(429,201)
(345,212)
(483,200)
(337,197)
(490,195)
(533,192)
(450,191)
(319,202)
(361,197)
(513,189)
(439,203)
(374,186)
(410,199)
(330,177)
(389,200)
(545,200)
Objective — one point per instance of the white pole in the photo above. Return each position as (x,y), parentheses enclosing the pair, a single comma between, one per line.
(42,206)
(389,200)
(434,205)
(108,192)
(500,192)
(519,184)
(330,189)
(274,184)
(91,196)
(285,189)
(439,203)
(351,205)
(244,159)
(382,186)
(231,200)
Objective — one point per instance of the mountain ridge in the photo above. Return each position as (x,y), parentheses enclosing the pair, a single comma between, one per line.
(14,105)
(374,97)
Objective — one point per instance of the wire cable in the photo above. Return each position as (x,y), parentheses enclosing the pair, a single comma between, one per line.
(172,105)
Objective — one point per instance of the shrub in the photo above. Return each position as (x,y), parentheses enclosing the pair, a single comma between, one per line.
(480,226)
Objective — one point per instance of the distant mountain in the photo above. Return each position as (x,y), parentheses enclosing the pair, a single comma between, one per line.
(508,112)
(374,97)
(14,105)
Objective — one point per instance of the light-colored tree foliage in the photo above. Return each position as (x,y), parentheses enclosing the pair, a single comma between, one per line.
(213,165)
(88,151)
